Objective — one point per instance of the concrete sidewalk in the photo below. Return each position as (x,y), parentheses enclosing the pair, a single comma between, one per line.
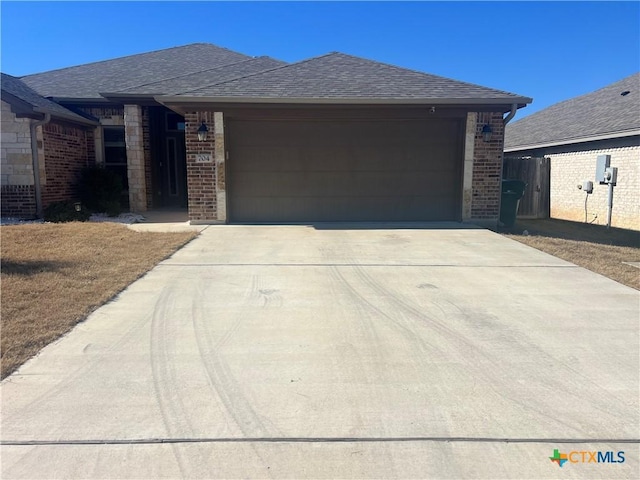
(333,352)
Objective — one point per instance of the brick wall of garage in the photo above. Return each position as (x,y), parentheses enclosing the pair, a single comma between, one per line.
(68,149)
(487,169)
(569,169)
(201,176)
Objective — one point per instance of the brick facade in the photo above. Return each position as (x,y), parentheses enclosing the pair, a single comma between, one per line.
(108,116)
(63,150)
(68,149)
(18,201)
(570,169)
(487,170)
(114,116)
(202,175)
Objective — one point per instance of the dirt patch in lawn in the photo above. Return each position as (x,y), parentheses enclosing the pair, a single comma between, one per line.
(590,246)
(54,275)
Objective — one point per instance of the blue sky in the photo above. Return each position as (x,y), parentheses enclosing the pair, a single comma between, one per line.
(546,50)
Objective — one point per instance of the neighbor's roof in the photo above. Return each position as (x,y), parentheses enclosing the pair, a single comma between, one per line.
(345,78)
(15,92)
(605,113)
(189,81)
(86,81)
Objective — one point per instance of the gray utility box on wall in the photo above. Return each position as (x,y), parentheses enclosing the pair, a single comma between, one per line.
(603,162)
(611,175)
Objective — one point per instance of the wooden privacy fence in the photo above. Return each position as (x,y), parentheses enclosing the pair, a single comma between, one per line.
(536,172)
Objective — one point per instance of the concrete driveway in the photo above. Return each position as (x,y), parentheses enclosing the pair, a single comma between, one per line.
(302,352)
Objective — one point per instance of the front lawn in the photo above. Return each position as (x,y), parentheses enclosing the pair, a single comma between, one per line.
(590,246)
(54,275)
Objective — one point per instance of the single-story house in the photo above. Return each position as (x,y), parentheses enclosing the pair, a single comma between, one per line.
(572,134)
(235,138)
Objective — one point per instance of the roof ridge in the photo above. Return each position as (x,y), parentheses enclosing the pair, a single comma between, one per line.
(9,75)
(128,56)
(261,72)
(193,73)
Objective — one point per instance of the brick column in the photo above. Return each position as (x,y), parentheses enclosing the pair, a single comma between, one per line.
(487,170)
(135,158)
(205,169)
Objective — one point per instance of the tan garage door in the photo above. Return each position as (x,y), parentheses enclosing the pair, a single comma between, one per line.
(336,171)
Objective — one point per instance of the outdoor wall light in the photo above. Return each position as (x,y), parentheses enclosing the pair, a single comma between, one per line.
(202,132)
(486,132)
(77,206)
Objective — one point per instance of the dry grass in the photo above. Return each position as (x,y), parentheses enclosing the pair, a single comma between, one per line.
(589,246)
(54,275)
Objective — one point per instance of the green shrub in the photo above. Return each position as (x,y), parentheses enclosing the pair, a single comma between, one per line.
(100,190)
(59,212)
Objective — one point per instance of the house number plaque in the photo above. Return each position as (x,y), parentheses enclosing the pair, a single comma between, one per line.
(203,158)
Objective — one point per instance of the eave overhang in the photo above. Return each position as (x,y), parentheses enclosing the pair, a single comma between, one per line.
(521,101)
(146,100)
(182,103)
(24,109)
(572,141)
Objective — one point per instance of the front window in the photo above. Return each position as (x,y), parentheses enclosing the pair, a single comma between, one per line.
(115,153)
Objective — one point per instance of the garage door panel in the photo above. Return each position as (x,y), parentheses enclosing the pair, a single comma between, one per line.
(300,171)
(349,184)
(282,159)
(342,209)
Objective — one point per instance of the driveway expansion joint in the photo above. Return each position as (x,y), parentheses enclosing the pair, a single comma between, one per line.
(153,441)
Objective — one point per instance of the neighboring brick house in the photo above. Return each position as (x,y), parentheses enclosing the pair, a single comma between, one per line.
(572,134)
(37,131)
(332,138)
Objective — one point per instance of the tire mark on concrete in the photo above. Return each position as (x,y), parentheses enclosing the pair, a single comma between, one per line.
(375,347)
(462,344)
(533,350)
(167,384)
(220,376)
(414,342)
(221,379)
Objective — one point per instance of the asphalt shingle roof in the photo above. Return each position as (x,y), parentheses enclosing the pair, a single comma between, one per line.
(341,76)
(87,81)
(602,112)
(186,82)
(17,88)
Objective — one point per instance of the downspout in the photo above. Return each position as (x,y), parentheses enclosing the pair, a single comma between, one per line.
(36,164)
(512,114)
(505,120)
